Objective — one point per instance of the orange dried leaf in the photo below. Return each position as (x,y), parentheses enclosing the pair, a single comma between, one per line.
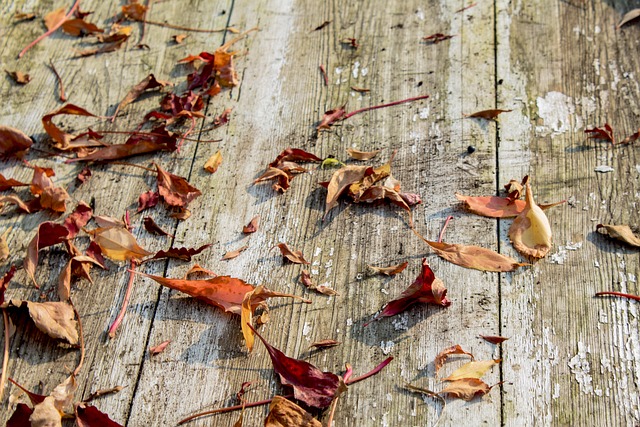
(622,233)
(295,257)
(487,114)
(340,181)
(213,163)
(442,357)
(466,388)
(362,155)
(49,196)
(253,225)
(135,11)
(118,243)
(284,413)
(530,232)
(159,348)
(474,257)
(66,141)
(53,18)
(13,142)
(149,82)
(233,254)
(475,369)
(497,207)
(79,27)
(493,339)
(174,189)
(179,38)
(391,270)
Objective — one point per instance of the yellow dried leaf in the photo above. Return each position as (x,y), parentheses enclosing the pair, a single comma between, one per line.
(475,369)
(212,164)
(530,232)
(118,244)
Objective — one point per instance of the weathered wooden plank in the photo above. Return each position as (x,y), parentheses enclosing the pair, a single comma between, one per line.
(280,97)
(572,359)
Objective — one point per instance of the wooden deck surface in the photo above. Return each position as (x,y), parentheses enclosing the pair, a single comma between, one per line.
(560,66)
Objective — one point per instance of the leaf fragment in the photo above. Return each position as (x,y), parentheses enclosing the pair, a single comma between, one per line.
(183,253)
(90,416)
(530,232)
(324,344)
(19,77)
(234,253)
(149,82)
(13,142)
(157,349)
(284,413)
(437,38)
(295,257)
(148,200)
(174,189)
(604,133)
(466,388)
(330,117)
(253,225)
(487,114)
(622,233)
(153,228)
(305,279)
(213,163)
(362,155)
(630,16)
(392,270)
(442,357)
(118,244)
(493,339)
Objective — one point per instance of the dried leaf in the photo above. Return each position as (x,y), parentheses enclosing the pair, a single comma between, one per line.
(13,142)
(24,16)
(497,207)
(284,413)
(90,416)
(442,357)
(391,270)
(622,233)
(4,247)
(437,38)
(179,38)
(134,11)
(48,234)
(66,141)
(12,199)
(49,196)
(632,15)
(55,319)
(315,388)
(112,42)
(107,221)
(331,162)
(252,227)
(305,279)
(474,257)
(493,339)
(199,269)
(174,189)
(84,175)
(360,89)
(213,163)
(153,228)
(181,214)
(475,369)
(604,133)
(295,257)
(149,82)
(487,114)
(78,219)
(426,289)
(284,166)
(233,254)
(20,417)
(631,138)
(330,117)
(159,348)
(79,27)
(4,282)
(324,344)
(340,181)
(52,19)
(19,77)
(118,244)
(362,155)
(466,388)
(183,254)
(223,118)
(321,26)
(65,277)
(148,200)
(530,232)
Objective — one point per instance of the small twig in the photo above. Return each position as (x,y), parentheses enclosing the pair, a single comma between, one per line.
(193,125)
(125,303)
(230,409)
(135,166)
(102,392)
(430,394)
(375,107)
(444,227)
(324,75)
(618,294)
(135,132)
(5,356)
(82,348)
(371,373)
(62,96)
(334,405)
(465,8)
(52,30)
(144,23)
(180,27)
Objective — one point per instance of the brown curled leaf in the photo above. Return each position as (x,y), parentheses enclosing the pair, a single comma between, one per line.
(13,142)
(56,319)
(153,228)
(630,16)
(391,270)
(149,82)
(493,339)
(324,344)
(330,117)
(284,413)
(213,163)
(474,257)
(79,27)
(157,349)
(235,253)
(487,114)
(174,189)
(118,243)
(295,257)
(66,141)
(183,254)
(442,357)
(622,233)
(362,155)
(466,388)
(253,225)
(19,77)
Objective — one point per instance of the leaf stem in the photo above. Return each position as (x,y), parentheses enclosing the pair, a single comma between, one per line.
(135,132)
(62,96)
(229,409)
(324,75)
(618,294)
(444,227)
(371,373)
(125,303)
(51,31)
(5,356)
(133,165)
(375,107)
(180,27)
(193,125)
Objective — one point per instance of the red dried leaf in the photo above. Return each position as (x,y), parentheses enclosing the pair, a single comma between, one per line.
(6,184)
(66,141)
(330,117)
(94,251)
(50,196)
(310,385)
(79,27)
(20,417)
(175,190)
(497,207)
(324,344)
(153,228)
(391,270)
(294,155)
(493,339)
(351,42)
(234,253)
(90,416)
(84,175)
(148,200)
(13,142)
(223,118)
(48,234)
(295,257)
(437,38)
(159,348)
(78,219)
(4,282)
(284,166)
(487,114)
(426,289)
(252,227)
(149,82)
(604,133)
(442,357)
(183,254)
(631,138)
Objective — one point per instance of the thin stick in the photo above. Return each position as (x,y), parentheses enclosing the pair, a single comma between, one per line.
(465,8)
(430,394)
(5,356)
(62,96)
(102,392)
(135,132)
(324,75)
(82,348)
(618,294)
(228,44)
(371,373)
(135,166)
(375,107)
(334,405)
(144,24)
(52,30)
(444,227)
(193,125)
(125,303)
(180,27)
(230,409)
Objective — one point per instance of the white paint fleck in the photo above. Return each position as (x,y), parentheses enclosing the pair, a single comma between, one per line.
(389,397)
(314,271)
(401,322)
(349,322)
(356,69)
(420,14)
(338,70)
(559,257)
(328,264)
(597,30)
(556,391)
(603,169)
(387,346)
(331,252)
(384,291)
(557,110)
(596,264)
(306,329)
(317,252)
(581,369)
(424,113)
(364,71)
(602,317)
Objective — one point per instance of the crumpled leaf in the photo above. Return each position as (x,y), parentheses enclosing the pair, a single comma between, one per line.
(64,279)
(497,207)
(13,142)
(66,141)
(604,133)
(111,42)
(49,196)
(77,219)
(305,279)
(19,77)
(148,200)
(475,369)
(153,228)
(49,412)
(622,233)
(487,114)
(55,319)
(48,234)
(174,189)
(391,270)
(284,413)
(149,82)
(362,155)
(324,344)
(493,339)
(426,289)
(253,225)
(530,232)
(474,257)
(466,388)
(78,27)
(183,253)
(295,257)
(330,117)
(442,357)
(213,163)
(340,181)
(118,244)
(4,282)
(632,15)
(28,207)
(285,166)
(90,416)
(315,388)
